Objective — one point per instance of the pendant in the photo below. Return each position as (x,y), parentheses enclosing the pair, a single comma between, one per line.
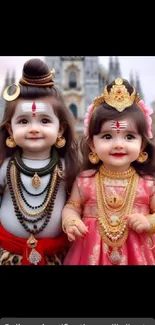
(35,180)
(115,201)
(114,220)
(115,256)
(34,257)
(32,241)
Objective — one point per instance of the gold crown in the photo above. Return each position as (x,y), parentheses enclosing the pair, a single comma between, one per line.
(118,97)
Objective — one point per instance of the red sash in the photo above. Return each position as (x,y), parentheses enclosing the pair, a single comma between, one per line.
(45,246)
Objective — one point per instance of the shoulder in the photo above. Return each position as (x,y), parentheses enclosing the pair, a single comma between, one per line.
(147,179)
(87,173)
(3,172)
(5,163)
(147,183)
(85,177)
(86,184)
(63,163)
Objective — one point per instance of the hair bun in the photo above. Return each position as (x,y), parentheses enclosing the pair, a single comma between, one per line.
(37,73)
(35,68)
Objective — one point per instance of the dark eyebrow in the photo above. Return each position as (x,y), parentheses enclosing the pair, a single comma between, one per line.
(45,115)
(21,116)
(131,131)
(27,115)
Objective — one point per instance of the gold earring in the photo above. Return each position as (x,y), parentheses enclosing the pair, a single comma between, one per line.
(143,156)
(93,157)
(10,98)
(60,142)
(10,142)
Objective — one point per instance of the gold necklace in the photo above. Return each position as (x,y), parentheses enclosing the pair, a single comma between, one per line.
(123,175)
(112,226)
(115,202)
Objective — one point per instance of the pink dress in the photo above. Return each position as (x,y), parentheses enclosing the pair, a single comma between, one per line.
(139,249)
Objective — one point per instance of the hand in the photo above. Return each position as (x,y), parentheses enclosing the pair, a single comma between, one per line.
(138,222)
(75,227)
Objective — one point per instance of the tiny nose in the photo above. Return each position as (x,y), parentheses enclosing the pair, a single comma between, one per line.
(33,131)
(34,128)
(118,144)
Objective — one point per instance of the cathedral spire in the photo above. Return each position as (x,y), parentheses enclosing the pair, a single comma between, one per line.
(111,67)
(131,80)
(6,81)
(117,71)
(12,79)
(138,87)
(111,70)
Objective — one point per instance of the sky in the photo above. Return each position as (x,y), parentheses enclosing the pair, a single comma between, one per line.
(143,66)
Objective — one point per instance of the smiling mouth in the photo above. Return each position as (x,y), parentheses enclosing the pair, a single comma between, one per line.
(118,154)
(34,138)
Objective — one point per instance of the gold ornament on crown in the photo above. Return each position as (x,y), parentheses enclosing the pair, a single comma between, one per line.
(118,96)
(112,210)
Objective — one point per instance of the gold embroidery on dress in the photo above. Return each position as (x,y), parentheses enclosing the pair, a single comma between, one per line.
(143,255)
(111,212)
(94,257)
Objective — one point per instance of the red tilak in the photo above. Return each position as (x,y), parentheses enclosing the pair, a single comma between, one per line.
(115,125)
(118,126)
(34,110)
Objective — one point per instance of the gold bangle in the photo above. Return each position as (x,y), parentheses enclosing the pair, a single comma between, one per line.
(74,204)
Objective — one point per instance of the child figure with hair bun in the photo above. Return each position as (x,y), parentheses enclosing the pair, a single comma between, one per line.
(110,214)
(38,164)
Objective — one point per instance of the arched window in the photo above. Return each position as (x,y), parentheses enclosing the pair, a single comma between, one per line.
(72,80)
(73,109)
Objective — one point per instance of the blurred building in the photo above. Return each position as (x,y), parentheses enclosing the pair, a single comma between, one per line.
(9,79)
(81,79)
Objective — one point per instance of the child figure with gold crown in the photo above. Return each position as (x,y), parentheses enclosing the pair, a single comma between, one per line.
(110,215)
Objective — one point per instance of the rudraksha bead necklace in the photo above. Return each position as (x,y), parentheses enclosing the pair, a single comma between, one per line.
(37,172)
(47,212)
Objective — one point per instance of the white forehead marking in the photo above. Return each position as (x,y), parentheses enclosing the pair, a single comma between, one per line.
(118,125)
(40,107)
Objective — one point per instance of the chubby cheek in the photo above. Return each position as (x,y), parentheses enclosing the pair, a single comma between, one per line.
(103,146)
(136,147)
(17,131)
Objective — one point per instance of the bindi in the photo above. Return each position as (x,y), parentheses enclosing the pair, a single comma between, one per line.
(118,126)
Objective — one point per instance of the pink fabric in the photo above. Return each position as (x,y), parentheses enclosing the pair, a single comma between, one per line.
(147,112)
(91,250)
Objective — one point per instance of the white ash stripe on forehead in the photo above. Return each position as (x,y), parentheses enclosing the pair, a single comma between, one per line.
(118,125)
(39,106)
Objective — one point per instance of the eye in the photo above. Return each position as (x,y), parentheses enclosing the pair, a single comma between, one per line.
(45,121)
(107,136)
(130,136)
(23,121)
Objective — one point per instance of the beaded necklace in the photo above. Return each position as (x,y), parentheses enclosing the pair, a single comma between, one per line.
(37,172)
(45,213)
